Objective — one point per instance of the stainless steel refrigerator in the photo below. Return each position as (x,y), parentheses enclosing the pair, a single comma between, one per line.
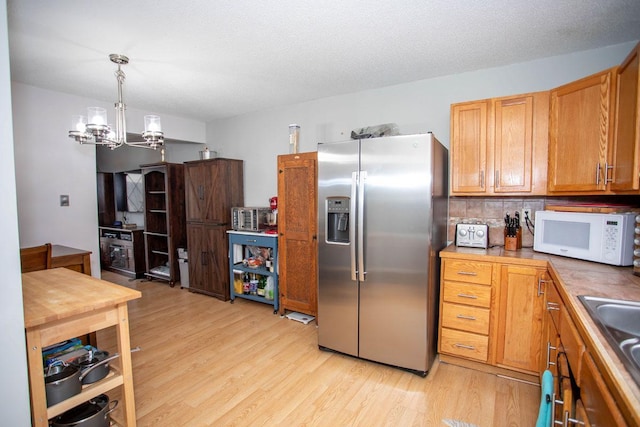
(382,208)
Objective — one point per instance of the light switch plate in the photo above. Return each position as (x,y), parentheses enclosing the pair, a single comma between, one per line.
(64,200)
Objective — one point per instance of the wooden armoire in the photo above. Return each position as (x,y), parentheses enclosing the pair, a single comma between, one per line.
(212,188)
(297,232)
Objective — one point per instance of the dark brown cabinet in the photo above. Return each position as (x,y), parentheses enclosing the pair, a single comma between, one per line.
(297,232)
(164,215)
(212,188)
(208,264)
(106,199)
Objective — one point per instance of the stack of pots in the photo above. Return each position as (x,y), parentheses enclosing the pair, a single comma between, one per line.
(94,413)
(64,381)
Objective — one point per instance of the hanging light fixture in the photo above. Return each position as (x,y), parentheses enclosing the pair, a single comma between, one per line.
(94,128)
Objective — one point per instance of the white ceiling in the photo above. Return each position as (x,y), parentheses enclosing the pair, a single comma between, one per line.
(211,59)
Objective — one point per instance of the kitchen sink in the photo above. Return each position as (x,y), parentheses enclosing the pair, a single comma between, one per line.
(619,322)
(621,316)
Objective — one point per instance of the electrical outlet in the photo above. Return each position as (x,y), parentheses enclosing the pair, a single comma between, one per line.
(526,212)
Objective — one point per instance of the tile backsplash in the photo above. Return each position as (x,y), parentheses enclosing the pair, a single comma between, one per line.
(492,210)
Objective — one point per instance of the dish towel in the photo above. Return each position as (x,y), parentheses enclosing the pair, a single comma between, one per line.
(546,405)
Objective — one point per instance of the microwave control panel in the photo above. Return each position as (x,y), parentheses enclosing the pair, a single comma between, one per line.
(611,240)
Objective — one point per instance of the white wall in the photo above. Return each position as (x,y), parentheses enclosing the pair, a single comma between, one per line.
(14,391)
(53,165)
(416,107)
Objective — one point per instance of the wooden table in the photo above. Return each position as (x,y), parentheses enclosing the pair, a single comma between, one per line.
(60,304)
(71,258)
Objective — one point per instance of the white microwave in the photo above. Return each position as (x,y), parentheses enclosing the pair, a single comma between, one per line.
(605,238)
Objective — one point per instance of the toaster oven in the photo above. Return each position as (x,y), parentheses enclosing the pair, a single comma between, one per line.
(250,218)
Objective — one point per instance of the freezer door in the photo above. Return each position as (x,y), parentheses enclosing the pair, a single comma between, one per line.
(337,289)
(397,220)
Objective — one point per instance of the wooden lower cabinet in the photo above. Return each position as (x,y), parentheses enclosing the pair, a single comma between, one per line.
(600,407)
(465,309)
(551,345)
(208,260)
(572,344)
(508,316)
(492,313)
(581,414)
(520,314)
(580,392)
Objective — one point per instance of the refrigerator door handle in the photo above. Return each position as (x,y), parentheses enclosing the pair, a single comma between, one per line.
(352,229)
(361,192)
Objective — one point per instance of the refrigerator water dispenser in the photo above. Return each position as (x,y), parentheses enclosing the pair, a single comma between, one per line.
(337,211)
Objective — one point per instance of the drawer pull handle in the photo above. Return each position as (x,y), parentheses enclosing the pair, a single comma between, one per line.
(552,306)
(549,348)
(540,282)
(467,296)
(468,347)
(462,316)
(468,273)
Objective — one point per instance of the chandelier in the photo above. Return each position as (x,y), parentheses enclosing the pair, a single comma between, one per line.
(94,128)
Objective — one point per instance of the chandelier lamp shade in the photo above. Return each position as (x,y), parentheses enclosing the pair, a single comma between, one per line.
(94,128)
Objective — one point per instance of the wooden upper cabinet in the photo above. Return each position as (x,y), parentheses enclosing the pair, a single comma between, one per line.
(469,147)
(580,134)
(499,146)
(626,155)
(212,187)
(196,178)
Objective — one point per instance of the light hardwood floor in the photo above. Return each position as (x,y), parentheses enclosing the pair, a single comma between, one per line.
(205,362)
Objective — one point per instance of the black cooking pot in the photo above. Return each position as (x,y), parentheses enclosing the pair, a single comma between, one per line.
(94,413)
(63,381)
(100,360)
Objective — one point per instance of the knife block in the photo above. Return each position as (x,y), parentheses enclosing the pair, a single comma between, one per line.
(513,243)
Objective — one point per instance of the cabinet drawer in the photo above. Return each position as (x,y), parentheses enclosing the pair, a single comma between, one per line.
(465,318)
(467,271)
(465,344)
(599,405)
(467,293)
(571,343)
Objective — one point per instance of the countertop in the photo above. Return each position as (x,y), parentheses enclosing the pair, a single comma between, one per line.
(576,277)
(59,293)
